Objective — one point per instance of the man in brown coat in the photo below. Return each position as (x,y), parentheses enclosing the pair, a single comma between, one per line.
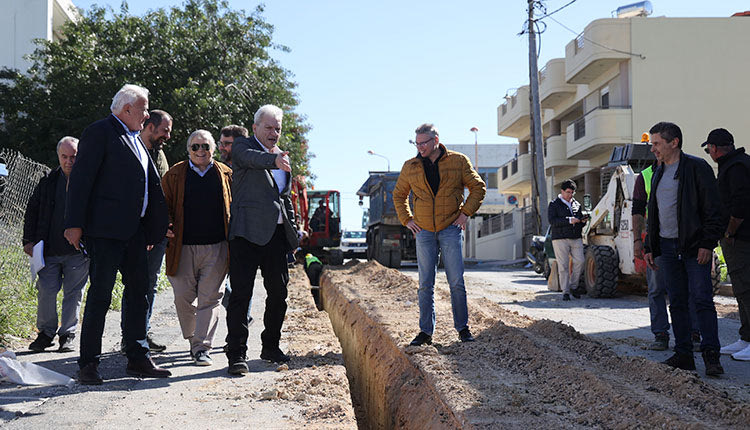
(437,178)
(198,197)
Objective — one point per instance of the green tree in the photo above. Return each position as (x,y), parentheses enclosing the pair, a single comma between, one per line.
(207,65)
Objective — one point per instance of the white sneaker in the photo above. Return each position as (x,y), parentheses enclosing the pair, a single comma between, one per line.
(735,347)
(743,355)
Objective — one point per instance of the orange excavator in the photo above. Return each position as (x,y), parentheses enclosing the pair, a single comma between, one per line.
(322,227)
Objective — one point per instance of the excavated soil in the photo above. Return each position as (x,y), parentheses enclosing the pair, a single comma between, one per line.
(522,372)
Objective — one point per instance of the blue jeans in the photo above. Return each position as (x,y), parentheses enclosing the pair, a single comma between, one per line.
(69,272)
(154,258)
(684,278)
(657,305)
(449,242)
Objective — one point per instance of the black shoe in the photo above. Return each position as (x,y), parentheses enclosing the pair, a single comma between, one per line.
(575,294)
(154,346)
(566,297)
(145,368)
(421,339)
(89,375)
(660,343)
(42,341)
(237,365)
(712,362)
(465,335)
(274,354)
(680,361)
(66,342)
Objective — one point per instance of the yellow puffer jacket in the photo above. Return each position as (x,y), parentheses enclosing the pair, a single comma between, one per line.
(436,212)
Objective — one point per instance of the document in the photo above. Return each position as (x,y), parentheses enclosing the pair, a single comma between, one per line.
(36,260)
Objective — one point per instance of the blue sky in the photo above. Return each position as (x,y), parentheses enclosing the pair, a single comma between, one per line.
(369,73)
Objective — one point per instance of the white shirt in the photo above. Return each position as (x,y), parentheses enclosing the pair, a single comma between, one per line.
(197,170)
(278,175)
(569,205)
(140,152)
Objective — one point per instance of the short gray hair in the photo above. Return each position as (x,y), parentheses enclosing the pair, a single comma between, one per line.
(271,110)
(128,94)
(73,141)
(204,134)
(427,128)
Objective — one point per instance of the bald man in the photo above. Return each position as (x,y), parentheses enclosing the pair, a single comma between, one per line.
(64,266)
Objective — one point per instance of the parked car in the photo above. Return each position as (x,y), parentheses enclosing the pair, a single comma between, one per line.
(354,243)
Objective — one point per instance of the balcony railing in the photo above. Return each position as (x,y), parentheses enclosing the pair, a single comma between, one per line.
(579,125)
(496,224)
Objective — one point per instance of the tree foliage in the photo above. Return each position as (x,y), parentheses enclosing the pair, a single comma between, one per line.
(205,64)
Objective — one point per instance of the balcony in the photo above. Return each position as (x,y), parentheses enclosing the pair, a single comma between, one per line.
(552,85)
(591,54)
(513,115)
(599,131)
(556,153)
(515,176)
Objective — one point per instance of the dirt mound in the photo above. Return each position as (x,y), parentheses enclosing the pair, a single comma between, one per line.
(523,372)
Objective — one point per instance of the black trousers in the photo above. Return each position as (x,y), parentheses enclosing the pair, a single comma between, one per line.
(107,257)
(244,259)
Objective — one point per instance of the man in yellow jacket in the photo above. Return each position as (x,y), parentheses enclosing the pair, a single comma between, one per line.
(437,178)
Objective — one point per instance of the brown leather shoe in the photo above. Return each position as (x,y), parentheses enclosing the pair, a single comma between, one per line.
(145,368)
(89,375)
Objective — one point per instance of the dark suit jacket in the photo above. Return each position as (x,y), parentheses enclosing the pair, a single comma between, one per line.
(256,200)
(105,189)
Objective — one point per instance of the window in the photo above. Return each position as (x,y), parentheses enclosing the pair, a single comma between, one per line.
(604,99)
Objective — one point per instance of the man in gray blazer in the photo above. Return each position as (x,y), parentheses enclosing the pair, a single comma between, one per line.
(261,232)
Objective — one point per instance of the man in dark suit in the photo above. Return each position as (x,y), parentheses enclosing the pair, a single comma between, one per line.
(261,232)
(116,208)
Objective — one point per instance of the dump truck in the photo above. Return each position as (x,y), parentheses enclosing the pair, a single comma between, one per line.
(388,241)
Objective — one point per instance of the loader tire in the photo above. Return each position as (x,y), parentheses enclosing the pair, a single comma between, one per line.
(336,257)
(601,271)
(716,267)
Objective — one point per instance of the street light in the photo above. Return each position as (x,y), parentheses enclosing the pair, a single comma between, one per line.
(371,152)
(476,147)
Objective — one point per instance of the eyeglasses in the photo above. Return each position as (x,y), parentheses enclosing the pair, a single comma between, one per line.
(706,150)
(196,146)
(422,143)
(223,144)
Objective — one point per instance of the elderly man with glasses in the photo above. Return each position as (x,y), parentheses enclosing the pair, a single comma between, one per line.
(437,178)
(198,194)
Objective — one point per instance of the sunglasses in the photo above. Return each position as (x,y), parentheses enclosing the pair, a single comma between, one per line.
(196,146)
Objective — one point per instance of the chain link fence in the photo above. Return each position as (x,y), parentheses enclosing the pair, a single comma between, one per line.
(17,293)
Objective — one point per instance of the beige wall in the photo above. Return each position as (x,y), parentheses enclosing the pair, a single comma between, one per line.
(695,74)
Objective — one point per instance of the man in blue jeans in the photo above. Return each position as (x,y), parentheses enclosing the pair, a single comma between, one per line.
(437,178)
(684,225)
(63,265)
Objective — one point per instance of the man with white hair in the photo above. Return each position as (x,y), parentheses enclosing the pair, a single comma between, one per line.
(116,208)
(63,265)
(262,231)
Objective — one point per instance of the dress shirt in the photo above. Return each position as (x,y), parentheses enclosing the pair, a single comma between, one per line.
(278,175)
(197,170)
(140,152)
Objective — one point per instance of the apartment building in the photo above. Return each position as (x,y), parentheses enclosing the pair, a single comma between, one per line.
(22,21)
(617,79)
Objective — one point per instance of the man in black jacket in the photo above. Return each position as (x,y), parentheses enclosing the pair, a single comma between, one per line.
(63,265)
(566,221)
(734,191)
(116,206)
(684,225)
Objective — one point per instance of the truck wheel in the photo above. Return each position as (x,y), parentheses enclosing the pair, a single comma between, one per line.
(716,267)
(601,271)
(336,257)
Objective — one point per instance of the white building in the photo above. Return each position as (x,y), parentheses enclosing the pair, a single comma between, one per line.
(617,79)
(22,21)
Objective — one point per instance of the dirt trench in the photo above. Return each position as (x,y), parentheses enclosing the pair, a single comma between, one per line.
(519,373)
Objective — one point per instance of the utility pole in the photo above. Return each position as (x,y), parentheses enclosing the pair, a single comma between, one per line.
(538,184)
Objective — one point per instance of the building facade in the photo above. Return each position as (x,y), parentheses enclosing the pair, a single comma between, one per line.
(617,79)
(23,21)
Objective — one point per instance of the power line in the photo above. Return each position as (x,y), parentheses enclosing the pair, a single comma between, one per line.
(641,56)
(556,10)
